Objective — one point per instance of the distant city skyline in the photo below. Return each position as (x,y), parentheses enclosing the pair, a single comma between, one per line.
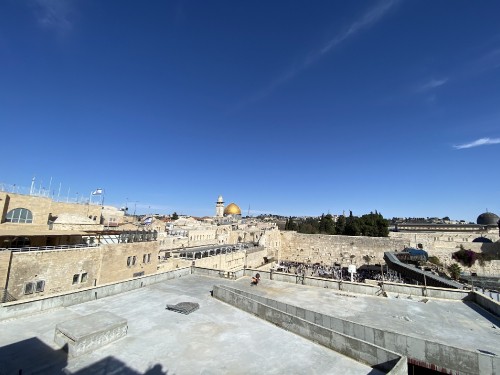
(287,108)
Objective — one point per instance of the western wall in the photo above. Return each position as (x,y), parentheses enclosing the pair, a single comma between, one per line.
(344,250)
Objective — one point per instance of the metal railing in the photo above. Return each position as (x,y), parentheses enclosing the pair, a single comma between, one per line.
(6,296)
(44,248)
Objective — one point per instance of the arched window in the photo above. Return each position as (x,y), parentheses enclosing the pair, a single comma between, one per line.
(19,215)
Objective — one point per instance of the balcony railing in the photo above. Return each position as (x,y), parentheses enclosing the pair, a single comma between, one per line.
(44,248)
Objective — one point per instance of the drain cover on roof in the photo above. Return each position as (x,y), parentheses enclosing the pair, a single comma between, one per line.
(184,307)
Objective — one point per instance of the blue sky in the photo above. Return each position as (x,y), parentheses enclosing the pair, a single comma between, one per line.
(293,108)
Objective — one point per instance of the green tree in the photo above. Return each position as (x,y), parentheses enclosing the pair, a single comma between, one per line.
(175,216)
(455,271)
(340,225)
(290,224)
(352,227)
(326,224)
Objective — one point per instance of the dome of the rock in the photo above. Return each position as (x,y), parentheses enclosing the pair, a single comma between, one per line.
(232,209)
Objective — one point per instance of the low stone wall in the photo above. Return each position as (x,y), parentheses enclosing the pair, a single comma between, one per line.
(487,303)
(289,318)
(422,291)
(26,307)
(345,286)
(370,288)
(421,352)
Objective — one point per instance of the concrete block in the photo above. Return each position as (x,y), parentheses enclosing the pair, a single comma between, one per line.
(433,353)
(321,335)
(300,312)
(379,338)
(368,353)
(281,306)
(415,348)
(318,318)
(292,310)
(337,324)
(359,331)
(348,329)
(90,332)
(309,316)
(326,321)
(369,335)
(390,341)
(485,364)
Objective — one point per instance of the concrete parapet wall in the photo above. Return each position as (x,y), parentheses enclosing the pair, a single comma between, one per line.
(20,308)
(430,292)
(487,303)
(419,351)
(370,288)
(289,318)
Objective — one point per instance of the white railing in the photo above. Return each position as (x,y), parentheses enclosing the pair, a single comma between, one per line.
(44,248)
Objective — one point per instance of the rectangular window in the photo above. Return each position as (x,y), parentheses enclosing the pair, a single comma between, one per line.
(133,260)
(76,277)
(28,288)
(85,276)
(144,258)
(149,258)
(40,286)
(129,261)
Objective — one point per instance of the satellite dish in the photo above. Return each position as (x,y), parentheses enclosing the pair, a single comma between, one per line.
(351,268)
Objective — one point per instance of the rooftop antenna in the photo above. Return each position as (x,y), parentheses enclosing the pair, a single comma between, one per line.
(248,213)
(32,186)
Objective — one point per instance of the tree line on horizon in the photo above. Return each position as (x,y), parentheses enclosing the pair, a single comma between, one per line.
(370,225)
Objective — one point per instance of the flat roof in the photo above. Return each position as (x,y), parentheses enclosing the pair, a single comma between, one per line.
(215,339)
(456,323)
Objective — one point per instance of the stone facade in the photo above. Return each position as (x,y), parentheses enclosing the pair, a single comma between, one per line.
(43,208)
(330,249)
(73,269)
(344,250)
(443,245)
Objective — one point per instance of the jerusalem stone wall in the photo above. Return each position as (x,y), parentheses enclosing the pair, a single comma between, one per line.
(41,207)
(114,260)
(102,264)
(330,249)
(339,249)
(171,243)
(55,267)
(443,245)
(4,267)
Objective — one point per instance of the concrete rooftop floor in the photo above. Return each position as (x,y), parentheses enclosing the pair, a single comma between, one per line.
(455,323)
(215,339)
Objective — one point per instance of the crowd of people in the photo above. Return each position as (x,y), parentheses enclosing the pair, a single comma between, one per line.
(337,272)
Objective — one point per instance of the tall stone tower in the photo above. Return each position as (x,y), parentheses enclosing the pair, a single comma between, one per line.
(219,207)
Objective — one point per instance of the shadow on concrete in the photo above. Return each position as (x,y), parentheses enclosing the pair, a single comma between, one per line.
(33,356)
(484,313)
(111,365)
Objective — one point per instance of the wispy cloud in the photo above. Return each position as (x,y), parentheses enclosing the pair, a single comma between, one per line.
(54,14)
(371,17)
(479,142)
(367,20)
(432,84)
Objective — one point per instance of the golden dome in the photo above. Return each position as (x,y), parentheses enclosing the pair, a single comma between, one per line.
(232,209)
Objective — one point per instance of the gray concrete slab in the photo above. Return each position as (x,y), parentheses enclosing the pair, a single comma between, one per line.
(216,339)
(456,323)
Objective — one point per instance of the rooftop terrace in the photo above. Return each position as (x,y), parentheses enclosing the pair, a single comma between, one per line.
(216,339)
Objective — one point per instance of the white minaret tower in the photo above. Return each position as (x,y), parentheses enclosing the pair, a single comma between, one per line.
(219,207)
